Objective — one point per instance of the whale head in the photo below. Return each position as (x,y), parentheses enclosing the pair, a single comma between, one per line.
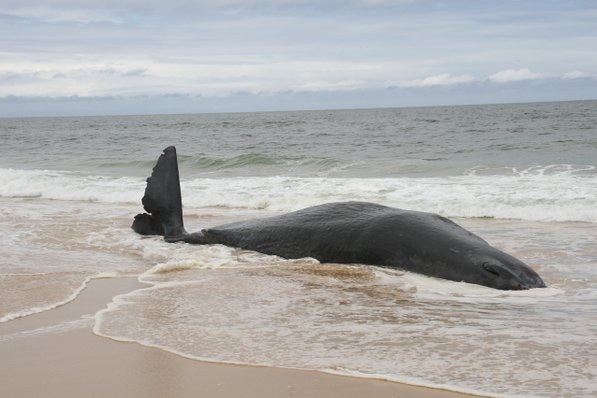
(503,271)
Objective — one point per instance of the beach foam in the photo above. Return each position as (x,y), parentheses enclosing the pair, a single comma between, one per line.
(551,193)
(61,286)
(394,326)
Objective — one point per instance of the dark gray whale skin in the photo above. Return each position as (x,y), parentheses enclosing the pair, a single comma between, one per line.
(346,232)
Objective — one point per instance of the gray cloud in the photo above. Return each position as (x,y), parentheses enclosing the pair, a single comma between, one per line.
(470,93)
(132,48)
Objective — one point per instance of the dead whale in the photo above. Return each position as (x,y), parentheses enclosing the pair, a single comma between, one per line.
(345,232)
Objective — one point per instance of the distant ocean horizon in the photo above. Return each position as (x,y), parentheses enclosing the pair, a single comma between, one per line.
(522,176)
(297,101)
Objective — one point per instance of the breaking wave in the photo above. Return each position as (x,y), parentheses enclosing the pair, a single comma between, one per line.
(551,193)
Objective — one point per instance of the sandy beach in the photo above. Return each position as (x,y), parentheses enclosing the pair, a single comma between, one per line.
(56,354)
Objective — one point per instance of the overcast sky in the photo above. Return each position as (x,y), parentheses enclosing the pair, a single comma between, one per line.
(149,56)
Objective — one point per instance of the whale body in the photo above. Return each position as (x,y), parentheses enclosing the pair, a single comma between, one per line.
(343,232)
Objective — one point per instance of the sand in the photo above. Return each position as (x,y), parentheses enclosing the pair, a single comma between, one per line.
(40,358)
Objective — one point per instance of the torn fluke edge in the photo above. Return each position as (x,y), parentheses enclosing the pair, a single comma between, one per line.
(162,200)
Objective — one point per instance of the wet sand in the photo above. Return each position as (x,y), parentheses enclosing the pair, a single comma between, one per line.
(41,359)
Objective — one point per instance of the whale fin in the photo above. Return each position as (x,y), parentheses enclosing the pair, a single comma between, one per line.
(162,200)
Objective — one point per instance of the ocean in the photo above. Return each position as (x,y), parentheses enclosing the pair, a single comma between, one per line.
(522,176)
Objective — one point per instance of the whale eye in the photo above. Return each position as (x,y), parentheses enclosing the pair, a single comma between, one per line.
(491,269)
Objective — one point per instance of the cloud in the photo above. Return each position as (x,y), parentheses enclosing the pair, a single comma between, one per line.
(45,13)
(200,3)
(137,76)
(575,75)
(111,71)
(515,75)
(215,48)
(477,92)
(341,85)
(60,81)
(444,79)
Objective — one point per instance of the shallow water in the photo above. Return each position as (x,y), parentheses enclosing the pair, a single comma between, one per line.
(523,177)
(222,304)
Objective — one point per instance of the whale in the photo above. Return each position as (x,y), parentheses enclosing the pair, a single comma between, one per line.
(342,232)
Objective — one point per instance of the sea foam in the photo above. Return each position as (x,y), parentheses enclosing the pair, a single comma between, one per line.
(553,193)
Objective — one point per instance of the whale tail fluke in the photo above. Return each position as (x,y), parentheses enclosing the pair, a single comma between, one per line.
(162,200)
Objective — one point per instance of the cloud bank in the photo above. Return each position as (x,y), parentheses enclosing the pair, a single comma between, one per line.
(323,52)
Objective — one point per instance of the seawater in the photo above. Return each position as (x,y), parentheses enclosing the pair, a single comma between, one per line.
(522,176)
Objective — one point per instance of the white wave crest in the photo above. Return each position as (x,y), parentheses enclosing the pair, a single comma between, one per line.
(69,186)
(553,193)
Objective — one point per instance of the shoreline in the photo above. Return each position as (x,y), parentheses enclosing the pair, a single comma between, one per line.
(56,354)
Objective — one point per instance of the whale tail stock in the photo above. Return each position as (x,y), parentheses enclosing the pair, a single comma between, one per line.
(162,200)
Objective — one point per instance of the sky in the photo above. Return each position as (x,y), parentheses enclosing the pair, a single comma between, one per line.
(69,57)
